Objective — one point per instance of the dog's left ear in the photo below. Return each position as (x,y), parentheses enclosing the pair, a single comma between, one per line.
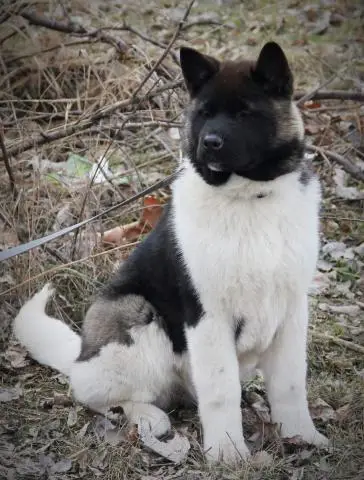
(197,69)
(272,70)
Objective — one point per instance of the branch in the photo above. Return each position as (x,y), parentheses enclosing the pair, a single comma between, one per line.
(6,161)
(166,51)
(332,95)
(64,131)
(311,94)
(347,165)
(74,29)
(339,341)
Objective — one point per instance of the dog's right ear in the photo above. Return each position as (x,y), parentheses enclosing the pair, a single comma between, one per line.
(197,69)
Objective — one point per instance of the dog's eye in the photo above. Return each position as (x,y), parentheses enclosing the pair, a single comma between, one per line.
(244,109)
(204,112)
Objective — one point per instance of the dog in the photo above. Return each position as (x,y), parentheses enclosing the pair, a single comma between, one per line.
(219,288)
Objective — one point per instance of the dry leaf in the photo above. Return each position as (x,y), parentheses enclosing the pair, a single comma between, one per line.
(123,234)
(16,355)
(175,449)
(321,410)
(152,210)
(10,394)
(72,417)
(262,459)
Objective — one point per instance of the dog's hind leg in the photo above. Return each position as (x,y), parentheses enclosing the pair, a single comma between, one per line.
(138,376)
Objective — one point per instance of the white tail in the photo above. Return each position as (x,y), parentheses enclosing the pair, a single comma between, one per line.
(48,340)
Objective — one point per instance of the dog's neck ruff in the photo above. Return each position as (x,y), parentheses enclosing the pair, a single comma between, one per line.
(240,188)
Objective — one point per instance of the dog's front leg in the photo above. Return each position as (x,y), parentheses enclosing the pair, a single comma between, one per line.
(215,374)
(284,370)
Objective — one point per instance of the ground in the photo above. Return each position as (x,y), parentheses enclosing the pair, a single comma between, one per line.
(55,98)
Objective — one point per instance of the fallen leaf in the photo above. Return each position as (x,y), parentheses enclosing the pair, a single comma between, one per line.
(262,459)
(324,266)
(174,133)
(312,129)
(341,190)
(16,355)
(259,405)
(343,413)
(175,449)
(72,417)
(152,210)
(81,433)
(64,217)
(123,234)
(62,466)
(114,437)
(321,410)
(337,250)
(296,440)
(10,394)
(100,171)
(320,284)
(311,104)
(351,310)
(360,250)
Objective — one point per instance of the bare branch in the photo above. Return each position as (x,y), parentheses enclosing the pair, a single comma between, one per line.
(76,127)
(332,95)
(347,165)
(75,29)
(6,161)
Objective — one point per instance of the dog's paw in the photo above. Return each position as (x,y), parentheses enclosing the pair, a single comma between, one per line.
(311,436)
(226,450)
(316,438)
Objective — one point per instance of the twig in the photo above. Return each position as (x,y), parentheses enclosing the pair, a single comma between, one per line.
(339,341)
(69,264)
(166,51)
(311,94)
(333,95)
(50,49)
(348,166)
(144,37)
(64,131)
(342,219)
(75,29)
(7,162)
(204,23)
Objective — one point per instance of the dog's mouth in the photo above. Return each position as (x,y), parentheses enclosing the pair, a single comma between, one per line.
(215,167)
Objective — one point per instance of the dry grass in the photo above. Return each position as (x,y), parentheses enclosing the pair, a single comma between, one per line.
(51,80)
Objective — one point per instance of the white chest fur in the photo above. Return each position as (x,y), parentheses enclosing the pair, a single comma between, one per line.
(248,256)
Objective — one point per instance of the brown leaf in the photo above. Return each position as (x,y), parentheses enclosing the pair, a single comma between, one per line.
(152,210)
(123,234)
(175,449)
(10,394)
(16,355)
(320,410)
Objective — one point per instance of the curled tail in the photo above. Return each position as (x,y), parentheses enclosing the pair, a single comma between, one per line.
(48,340)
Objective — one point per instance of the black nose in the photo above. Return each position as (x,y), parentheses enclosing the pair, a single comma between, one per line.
(213,141)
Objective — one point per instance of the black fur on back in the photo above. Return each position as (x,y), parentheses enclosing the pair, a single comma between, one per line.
(156,271)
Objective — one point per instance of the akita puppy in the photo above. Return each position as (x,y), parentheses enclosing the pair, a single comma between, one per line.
(219,287)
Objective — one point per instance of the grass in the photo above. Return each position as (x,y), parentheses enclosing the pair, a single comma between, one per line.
(53,88)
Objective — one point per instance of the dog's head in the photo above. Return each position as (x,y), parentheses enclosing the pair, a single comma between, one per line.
(241,118)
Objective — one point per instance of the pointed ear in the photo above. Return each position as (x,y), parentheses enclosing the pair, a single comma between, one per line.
(272,70)
(197,69)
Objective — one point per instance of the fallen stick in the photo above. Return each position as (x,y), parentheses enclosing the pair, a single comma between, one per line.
(63,131)
(339,341)
(332,95)
(348,166)
(74,29)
